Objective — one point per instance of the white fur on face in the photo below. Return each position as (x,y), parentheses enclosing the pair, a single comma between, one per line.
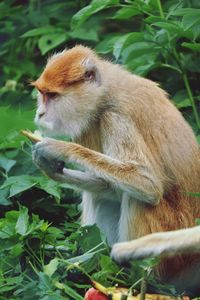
(71,113)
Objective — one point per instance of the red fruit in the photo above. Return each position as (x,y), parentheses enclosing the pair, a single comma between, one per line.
(93,294)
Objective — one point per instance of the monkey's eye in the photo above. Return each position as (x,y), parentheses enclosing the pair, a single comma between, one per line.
(89,75)
(51,95)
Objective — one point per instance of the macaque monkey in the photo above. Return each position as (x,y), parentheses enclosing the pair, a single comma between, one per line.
(139,157)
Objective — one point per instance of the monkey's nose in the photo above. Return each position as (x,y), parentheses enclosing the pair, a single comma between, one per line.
(40,115)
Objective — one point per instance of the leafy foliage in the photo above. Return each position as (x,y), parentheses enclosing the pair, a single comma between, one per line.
(44,253)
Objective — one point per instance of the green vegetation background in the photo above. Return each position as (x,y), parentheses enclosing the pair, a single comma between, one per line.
(44,253)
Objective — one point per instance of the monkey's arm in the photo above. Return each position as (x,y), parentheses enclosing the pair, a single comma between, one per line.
(164,244)
(137,179)
(55,169)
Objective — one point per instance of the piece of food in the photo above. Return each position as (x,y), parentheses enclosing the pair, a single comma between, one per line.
(93,294)
(33,137)
(117,293)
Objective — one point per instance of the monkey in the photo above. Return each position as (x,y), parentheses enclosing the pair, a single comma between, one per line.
(138,157)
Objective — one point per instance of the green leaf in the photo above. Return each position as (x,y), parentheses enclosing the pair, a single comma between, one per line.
(15,120)
(84,257)
(50,186)
(185,11)
(22,222)
(68,290)
(40,31)
(126,12)
(17,249)
(44,282)
(51,267)
(95,6)
(124,41)
(107,44)
(181,99)
(136,50)
(9,284)
(190,20)
(50,41)
(169,26)
(4,194)
(153,19)
(193,46)
(84,34)
(18,184)
(108,265)
(6,163)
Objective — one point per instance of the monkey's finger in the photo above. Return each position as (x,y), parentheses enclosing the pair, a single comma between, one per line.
(59,166)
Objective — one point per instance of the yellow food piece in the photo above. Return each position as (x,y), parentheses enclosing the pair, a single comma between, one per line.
(33,137)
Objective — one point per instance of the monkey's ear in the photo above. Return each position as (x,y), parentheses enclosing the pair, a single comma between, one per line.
(91,71)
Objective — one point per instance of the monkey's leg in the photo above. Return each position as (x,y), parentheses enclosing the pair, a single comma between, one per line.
(138,179)
(164,244)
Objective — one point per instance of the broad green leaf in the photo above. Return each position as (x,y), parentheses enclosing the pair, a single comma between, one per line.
(95,6)
(17,249)
(51,267)
(44,282)
(124,41)
(153,19)
(22,222)
(181,99)
(50,41)
(50,186)
(6,163)
(169,26)
(190,20)
(18,184)
(193,46)
(126,12)
(106,46)
(185,11)
(84,34)
(89,238)
(40,31)
(107,264)
(138,49)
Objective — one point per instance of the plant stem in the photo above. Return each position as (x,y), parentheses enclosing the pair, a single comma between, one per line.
(143,288)
(187,86)
(160,9)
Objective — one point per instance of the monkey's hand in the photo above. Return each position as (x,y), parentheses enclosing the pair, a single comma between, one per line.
(47,157)
(50,155)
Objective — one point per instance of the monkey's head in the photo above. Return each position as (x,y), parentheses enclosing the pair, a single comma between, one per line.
(70,92)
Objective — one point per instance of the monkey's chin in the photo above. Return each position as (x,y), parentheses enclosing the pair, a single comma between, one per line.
(48,129)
